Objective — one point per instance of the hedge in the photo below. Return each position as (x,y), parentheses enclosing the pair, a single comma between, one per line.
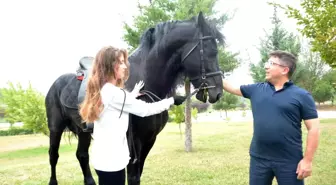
(15,131)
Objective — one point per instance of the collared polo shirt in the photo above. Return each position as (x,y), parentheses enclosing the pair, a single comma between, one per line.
(277,118)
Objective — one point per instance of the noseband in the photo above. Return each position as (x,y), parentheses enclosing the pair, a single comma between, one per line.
(204,75)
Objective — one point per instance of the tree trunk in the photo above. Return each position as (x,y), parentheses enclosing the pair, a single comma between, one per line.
(188,138)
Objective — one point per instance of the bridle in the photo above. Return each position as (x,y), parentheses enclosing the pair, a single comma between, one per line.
(204,75)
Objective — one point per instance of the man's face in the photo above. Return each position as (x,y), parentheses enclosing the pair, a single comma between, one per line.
(275,69)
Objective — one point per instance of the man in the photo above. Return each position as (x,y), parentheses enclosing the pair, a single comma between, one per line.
(278,106)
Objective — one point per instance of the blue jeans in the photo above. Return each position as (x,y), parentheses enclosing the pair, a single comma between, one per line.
(263,171)
(111,178)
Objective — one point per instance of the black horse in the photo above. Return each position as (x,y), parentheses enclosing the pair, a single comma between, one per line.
(168,51)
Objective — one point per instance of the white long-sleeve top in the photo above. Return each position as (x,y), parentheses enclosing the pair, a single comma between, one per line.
(109,150)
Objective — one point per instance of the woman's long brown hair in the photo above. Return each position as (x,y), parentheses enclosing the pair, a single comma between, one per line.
(102,71)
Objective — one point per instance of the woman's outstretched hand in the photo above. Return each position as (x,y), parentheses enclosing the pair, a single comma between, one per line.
(137,88)
(178,100)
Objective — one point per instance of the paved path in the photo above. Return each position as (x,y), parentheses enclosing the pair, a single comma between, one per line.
(234,116)
(237,116)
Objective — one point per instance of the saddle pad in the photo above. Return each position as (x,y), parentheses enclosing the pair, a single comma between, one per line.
(69,95)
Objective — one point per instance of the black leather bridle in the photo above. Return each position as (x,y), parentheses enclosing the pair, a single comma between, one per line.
(204,75)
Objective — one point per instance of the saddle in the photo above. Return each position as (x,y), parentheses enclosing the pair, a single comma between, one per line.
(83,73)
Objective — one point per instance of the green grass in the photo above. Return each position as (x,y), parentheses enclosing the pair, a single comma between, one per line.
(220,156)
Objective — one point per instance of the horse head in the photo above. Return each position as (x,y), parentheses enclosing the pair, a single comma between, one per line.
(200,61)
(187,47)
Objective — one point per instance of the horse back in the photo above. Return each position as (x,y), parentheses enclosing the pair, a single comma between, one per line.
(65,90)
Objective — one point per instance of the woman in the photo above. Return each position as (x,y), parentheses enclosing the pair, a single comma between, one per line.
(107,105)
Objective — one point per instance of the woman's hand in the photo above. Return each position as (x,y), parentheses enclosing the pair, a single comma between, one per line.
(137,88)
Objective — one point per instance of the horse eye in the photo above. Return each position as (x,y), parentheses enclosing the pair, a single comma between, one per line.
(213,52)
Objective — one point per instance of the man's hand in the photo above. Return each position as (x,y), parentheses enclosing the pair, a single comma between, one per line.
(304,169)
(231,89)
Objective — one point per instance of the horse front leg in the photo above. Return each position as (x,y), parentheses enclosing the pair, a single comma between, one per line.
(134,171)
(82,154)
(146,147)
(133,168)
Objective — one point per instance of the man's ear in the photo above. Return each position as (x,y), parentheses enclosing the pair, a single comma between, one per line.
(285,71)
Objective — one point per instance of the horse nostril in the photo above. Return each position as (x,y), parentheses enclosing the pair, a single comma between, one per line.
(219,96)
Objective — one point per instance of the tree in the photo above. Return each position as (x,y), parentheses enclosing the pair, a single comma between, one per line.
(330,78)
(164,10)
(25,105)
(322,92)
(227,60)
(279,39)
(12,97)
(311,68)
(227,102)
(318,21)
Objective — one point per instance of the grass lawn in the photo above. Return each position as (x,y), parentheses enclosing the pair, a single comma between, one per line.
(219,157)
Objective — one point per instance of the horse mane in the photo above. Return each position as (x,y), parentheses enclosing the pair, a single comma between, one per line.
(152,36)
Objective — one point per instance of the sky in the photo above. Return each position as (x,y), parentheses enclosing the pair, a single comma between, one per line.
(41,40)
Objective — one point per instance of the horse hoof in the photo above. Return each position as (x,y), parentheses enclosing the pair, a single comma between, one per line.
(53,182)
(89,181)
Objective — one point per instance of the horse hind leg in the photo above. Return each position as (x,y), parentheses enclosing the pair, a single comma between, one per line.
(82,154)
(56,127)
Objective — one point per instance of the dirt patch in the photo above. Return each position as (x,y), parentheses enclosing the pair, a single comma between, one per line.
(10,143)
(326,107)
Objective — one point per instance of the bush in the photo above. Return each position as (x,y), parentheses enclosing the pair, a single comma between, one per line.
(200,106)
(15,131)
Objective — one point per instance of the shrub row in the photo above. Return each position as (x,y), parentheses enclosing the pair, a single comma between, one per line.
(15,131)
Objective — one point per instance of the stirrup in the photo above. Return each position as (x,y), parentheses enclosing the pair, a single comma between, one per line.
(88,127)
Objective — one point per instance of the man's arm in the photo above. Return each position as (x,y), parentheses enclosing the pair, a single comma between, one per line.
(231,89)
(312,138)
(310,117)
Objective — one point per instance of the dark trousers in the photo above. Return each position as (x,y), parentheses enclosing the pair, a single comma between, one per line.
(111,178)
(263,171)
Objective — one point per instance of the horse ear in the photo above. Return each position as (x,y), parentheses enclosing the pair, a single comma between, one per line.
(200,20)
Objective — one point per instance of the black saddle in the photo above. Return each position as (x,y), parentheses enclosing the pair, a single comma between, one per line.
(86,63)
(83,73)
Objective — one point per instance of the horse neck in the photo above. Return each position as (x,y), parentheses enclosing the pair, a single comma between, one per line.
(161,76)
(163,63)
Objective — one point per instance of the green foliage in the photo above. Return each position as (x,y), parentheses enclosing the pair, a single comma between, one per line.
(158,11)
(12,131)
(330,78)
(177,113)
(25,105)
(227,102)
(227,60)
(323,91)
(13,98)
(310,68)
(318,21)
(194,113)
(278,39)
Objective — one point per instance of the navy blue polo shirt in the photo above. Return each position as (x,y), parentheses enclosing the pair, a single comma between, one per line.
(277,117)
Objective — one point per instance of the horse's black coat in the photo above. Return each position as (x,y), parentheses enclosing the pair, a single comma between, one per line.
(157,61)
